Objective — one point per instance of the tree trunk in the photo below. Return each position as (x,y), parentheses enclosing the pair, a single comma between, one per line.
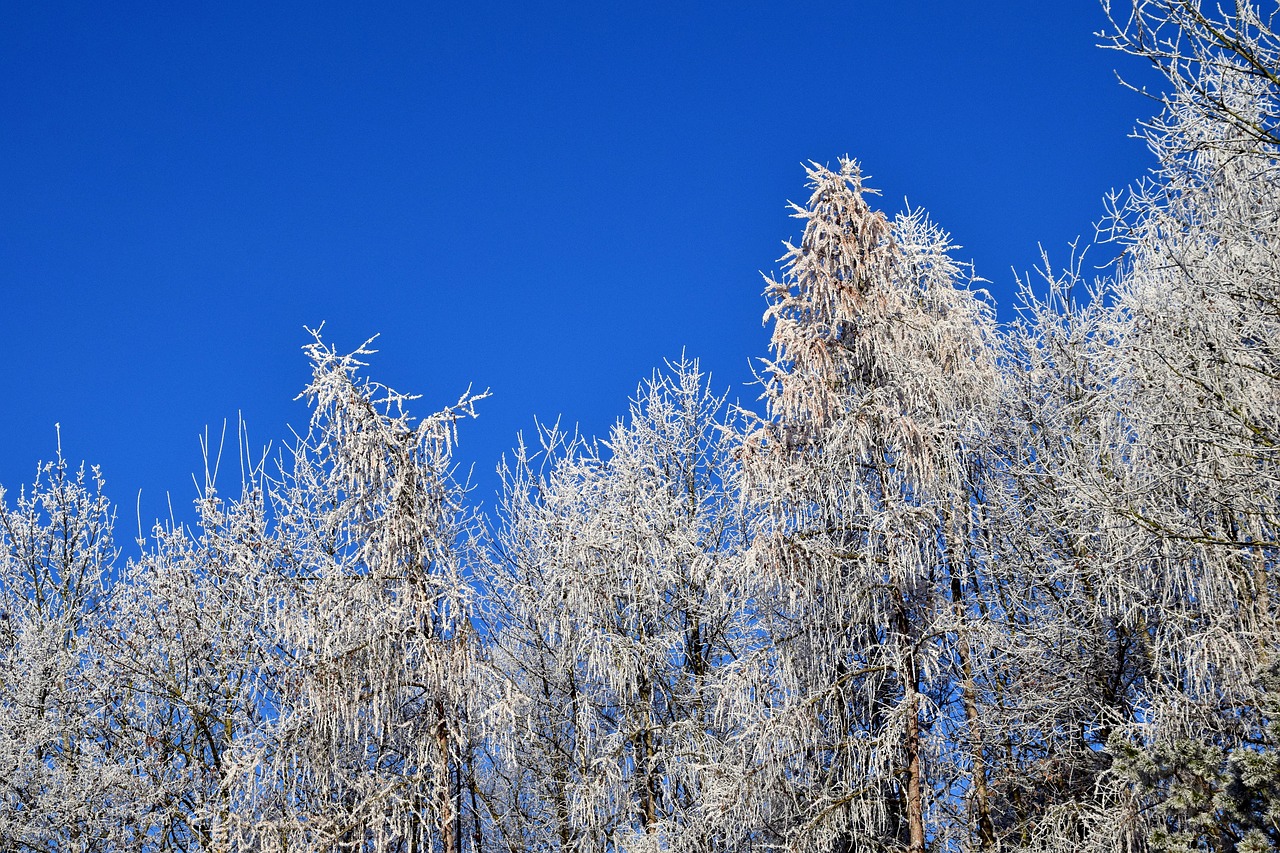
(911,741)
(448,829)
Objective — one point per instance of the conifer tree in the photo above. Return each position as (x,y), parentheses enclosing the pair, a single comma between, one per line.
(880,367)
(372,710)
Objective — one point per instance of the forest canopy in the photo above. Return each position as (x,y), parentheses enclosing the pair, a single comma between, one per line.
(960,586)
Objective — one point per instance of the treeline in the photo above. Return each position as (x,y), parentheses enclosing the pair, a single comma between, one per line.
(962,587)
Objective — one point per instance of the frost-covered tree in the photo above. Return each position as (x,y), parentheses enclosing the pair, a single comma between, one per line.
(880,369)
(1067,666)
(1199,285)
(370,711)
(62,786)
(1200,795)
(1197,379)
(1136,514)
(191,666)
(617,609)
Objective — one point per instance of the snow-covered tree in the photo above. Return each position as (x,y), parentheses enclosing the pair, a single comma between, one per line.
(61,784)
(191,666)
(1197,381)
(618,606)
(880,369)
(1135,513)
(369,613)
(1064,665)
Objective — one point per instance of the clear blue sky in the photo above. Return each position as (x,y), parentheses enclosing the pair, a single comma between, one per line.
(546,199)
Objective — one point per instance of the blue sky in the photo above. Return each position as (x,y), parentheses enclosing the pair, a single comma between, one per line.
(545,199)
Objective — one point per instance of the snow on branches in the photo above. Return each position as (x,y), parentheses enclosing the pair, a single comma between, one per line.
(960,587)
